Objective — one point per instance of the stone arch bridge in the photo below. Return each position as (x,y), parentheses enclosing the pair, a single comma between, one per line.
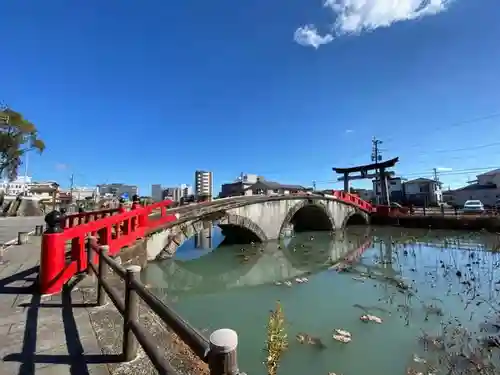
(257,219)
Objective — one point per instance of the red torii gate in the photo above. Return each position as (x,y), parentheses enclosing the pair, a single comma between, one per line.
(380,172)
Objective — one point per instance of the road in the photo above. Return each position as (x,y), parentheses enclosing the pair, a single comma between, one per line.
(10,226)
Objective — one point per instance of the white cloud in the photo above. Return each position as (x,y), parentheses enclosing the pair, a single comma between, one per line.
(308,36)
(444,169)
(61,166)
(356,16)
(349,131)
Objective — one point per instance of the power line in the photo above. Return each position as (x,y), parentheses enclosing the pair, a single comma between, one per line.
(459,123)
(431,173)
(468,148)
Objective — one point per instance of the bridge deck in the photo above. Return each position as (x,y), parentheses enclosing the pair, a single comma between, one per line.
(42,335)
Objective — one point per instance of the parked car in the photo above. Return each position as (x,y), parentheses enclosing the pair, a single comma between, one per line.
(473,206)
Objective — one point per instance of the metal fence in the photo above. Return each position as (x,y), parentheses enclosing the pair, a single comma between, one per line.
(442,211)
(219,351)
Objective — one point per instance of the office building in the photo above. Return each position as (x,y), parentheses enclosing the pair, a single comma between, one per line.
(172,193)
(117,190)
(203,183)
(157,192)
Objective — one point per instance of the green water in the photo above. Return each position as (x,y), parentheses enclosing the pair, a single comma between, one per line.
(234,287)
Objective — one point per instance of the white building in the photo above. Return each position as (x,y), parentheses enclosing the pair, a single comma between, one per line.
(25,186)
(84,192)
(423,191)
(489,178)
(486,189)
(16,187)
(187,190)
(395,189)
(172,193)
(203,183)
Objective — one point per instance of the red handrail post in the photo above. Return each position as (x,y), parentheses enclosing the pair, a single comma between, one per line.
(121,207)
(52,257)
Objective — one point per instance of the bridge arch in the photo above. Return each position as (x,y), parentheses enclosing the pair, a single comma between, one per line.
(355,217)
(309,215)
(240,229)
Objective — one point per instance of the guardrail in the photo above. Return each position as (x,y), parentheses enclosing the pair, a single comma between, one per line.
(219,351)
(83,217)
(430,211)
(58,265)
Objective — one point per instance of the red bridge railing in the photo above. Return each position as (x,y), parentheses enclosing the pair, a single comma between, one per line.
(78,218)
(353,199)
(63,252)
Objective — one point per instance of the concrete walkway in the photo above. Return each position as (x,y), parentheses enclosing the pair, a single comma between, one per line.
(10,226)
(42,335)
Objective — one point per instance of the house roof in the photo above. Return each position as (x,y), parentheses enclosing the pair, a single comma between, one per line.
(421,179)
(477,187)
(276,185)
(491,173)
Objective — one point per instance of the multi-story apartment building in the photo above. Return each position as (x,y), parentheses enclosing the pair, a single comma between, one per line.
(203,183)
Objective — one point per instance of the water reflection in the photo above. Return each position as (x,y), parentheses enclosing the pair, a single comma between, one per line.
(210,270)
(436,292)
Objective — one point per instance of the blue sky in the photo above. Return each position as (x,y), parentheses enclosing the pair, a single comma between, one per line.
(147,92)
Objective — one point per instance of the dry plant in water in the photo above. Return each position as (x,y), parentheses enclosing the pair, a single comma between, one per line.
(277,342)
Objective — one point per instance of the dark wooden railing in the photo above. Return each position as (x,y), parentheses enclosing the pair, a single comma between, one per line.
(219,352)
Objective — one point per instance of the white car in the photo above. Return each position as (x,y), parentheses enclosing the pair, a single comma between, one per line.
(474,206)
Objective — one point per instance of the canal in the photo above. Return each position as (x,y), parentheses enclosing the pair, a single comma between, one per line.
(436,293)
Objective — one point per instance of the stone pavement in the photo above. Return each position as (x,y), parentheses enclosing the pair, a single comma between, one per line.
(10,226)
(40,334)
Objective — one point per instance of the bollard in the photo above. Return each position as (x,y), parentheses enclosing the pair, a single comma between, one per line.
(52,257)
(131,315)
(90,253)
(101,278)
(22,238)
(222,359)
(121,206)
(38,230)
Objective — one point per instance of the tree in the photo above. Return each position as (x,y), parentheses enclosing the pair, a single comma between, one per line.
(17,137)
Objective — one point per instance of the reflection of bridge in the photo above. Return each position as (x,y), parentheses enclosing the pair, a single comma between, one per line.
(260,219)
(224,268)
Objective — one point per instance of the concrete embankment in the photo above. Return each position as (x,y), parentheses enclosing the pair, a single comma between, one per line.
(463,222)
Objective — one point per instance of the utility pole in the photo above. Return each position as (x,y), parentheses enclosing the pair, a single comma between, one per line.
(436,178)
(376,156)
(314,185)
(382,176)
(72,181)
